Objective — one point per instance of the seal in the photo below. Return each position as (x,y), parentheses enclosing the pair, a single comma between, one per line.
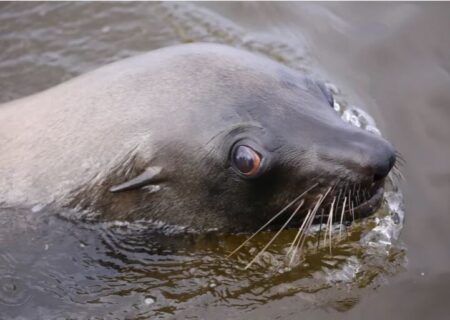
(199,135)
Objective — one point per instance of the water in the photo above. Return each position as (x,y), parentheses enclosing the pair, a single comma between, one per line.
(388,59)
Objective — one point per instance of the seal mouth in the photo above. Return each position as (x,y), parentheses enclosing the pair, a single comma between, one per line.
(345,205)
(361,204)
(368,207)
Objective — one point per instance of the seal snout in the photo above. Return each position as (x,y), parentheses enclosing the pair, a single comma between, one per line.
(384,162)
(364,156)
(376,158)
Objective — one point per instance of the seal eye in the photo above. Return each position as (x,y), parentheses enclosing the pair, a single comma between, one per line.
(247,160)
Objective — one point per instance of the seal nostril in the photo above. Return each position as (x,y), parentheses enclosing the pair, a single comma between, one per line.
(378,177)
(384,167)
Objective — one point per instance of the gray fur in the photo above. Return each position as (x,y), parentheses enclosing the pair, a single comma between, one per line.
(181,109)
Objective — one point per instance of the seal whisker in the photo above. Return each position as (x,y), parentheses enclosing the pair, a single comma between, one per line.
(276,235)
(302,233)
(342,218)
(354,190)
(350,205)
(366,195)
(353,211)
(328,220)
(346,188)
(400,159)
(338,199)
(320,229)
(321,218)
(398,173)
(301,241)
(358,199)
(299,232)
(354,200)
(273,218)
(331,222)
(337,203)
(358,202)
(329,225)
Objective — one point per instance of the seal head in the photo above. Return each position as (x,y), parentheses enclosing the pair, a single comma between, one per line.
(212,137)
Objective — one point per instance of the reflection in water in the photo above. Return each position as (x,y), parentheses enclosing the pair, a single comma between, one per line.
(51,266)
(62,266)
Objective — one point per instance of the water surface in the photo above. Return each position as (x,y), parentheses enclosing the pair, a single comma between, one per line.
(388,59)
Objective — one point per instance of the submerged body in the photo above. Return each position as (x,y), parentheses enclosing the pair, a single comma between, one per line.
(200,135)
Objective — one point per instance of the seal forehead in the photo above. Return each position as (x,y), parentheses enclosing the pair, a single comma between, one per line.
(288,102)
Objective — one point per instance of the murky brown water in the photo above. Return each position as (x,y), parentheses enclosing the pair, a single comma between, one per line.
(391,59)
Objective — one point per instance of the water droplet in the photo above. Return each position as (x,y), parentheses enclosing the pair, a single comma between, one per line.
(332,87)
(373,130)
(37,208)
(337,106)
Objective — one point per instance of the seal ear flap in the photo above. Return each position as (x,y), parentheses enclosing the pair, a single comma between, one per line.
(149,176)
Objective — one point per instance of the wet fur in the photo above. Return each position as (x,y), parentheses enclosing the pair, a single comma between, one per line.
(180,108)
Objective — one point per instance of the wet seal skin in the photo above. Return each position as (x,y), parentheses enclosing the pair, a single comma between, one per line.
(201,135)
